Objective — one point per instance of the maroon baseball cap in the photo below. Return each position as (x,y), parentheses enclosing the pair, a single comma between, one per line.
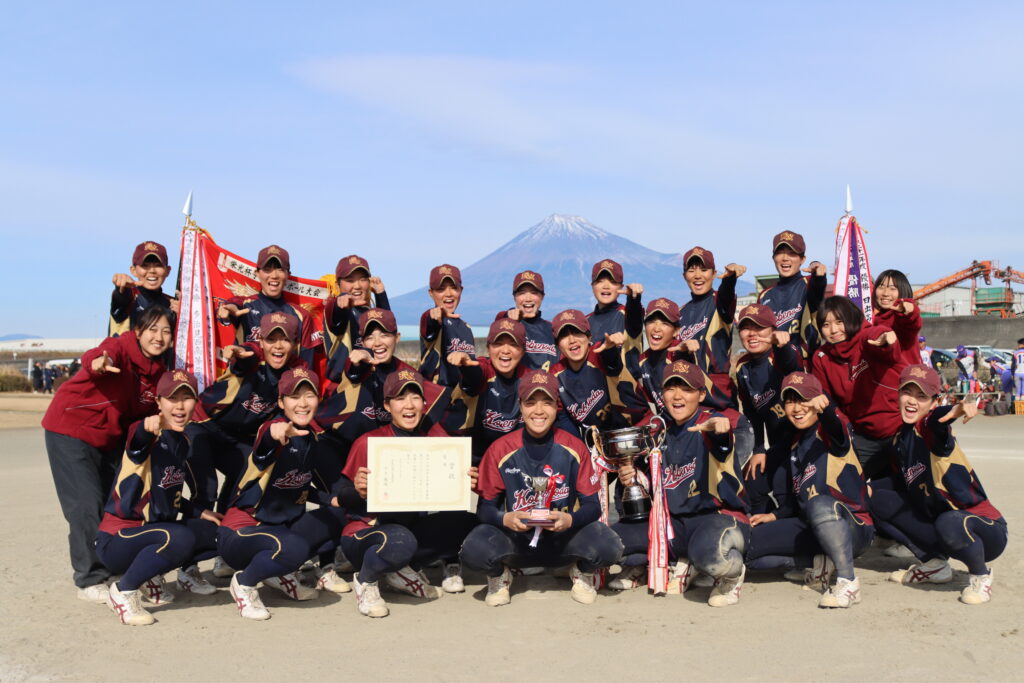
(804,384)
(793,240)
(172,380)
(689,373)
(350,263)
(293,377)
(438,274)
(147,249)
(274,252)
(570,318)
(399,380)
(288,324)
(924,377)
(702,254)
(508,327)
(759,314)
(613,268)
(528,277)
(379,316)
(665,307)
(537,380)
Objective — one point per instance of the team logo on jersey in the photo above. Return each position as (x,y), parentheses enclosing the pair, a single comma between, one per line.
(375,413)
(494,421)
(456,344)
(801,479)
(293,479)
(787,316)
(690,331)
(761,400)
(256,404)
(676,474)
(537,347)
(913,472)
(147,397)
(580,411)
(173,476)
(857,369)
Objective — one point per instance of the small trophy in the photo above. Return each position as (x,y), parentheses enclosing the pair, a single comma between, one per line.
(625,447)
(544,489)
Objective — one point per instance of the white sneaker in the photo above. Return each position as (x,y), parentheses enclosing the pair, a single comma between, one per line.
(247,599)
(97,593)
(155,591)
(191,580)
(978,590)
(221,569)
(583,590)
(290,585)
(727,591)
(452,581)
(411,582)
(843,594)
(368,600)
(935,570)
(629,578)
(680,578)
(818,577)
(341,563)
(127,605)
(499,589)
(329,580)
(533,571)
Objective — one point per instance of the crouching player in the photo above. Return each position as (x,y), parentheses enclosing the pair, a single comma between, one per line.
(394,546)
(703,493)
(822,519)
(941,510)
(570,532)
(140,535)
(267,530)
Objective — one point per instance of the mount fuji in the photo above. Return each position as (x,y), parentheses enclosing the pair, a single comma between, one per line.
(562,249)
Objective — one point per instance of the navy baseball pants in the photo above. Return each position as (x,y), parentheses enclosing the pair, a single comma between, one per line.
(142,552)
(213,450)
(490,549)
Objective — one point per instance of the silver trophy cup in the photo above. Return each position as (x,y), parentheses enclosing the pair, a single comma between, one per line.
(626,447)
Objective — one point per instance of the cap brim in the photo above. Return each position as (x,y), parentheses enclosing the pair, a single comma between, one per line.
(802,393)
(790,245)
(574,326)
(759,323)
(920,386)
(610,273)
(681,378)
(298,384)
(663,314)
(544,390)
(504,334)
(276,327)
(152,254)
(402,386)
(272,258)
(177,386)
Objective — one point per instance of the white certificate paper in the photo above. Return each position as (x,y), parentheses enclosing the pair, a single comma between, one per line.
(418,473)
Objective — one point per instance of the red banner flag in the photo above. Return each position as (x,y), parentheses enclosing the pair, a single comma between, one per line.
(853,270)
(210,275)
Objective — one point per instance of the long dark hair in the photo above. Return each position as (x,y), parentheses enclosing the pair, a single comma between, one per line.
(152,315)
(844,311)
(899,281)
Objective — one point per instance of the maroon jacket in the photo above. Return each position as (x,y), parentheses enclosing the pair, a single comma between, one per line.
(907,329)
(98,407)
(863,380)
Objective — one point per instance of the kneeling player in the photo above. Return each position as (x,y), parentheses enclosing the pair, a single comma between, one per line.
(140,535)
(941,510)
(267,529)
(394,546)
(706,527)
(569,531)
(822,517)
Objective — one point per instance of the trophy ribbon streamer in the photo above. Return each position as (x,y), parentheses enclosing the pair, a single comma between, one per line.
(659,531)
(553,483)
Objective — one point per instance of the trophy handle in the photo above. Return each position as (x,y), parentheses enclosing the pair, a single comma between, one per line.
(592,437)
(661,433)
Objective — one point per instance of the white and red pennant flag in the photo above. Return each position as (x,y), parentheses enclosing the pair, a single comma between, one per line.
(853,271)
(210,275)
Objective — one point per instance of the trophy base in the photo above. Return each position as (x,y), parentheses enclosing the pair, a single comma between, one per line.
(636,510)
(539,517)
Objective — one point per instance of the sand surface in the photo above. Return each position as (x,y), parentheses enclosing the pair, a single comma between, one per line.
(775,632)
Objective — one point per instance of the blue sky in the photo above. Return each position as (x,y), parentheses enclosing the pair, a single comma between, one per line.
(414,133)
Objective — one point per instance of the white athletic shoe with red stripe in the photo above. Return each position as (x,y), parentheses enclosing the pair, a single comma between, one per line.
(127,605)
(629,578)
(290,585)
(156,592)
(845,593)
(680,578)
(727,591)
(191,580)
(368,600)
(247,600)
(411,582)
(978,590)
(935,570)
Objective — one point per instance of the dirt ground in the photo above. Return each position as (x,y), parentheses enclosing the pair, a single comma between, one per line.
(775,632)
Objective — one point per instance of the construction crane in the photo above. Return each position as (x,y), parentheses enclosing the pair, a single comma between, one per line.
(1004,306)
(974,271)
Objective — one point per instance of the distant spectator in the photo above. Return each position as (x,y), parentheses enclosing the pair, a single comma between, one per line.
(37,378)
(1017,369)
(926,351)
(48,373)
(1002,376)
(968,377)
(74,368)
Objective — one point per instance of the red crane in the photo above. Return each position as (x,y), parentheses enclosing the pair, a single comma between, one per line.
(976,269)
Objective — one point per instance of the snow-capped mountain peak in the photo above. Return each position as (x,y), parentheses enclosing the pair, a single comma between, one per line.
(562,226)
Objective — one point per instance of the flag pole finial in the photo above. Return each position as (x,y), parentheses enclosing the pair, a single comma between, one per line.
(849,201)
(187,209)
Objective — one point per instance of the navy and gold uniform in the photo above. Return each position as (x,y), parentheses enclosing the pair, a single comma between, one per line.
(795,301)
(590,396)
(141,534)
(267,529)
(227,418)
(940,508)
(541,352)
(437,340)
(494,401)
(247,327)
(342,328)
(708,318)
(504,485)
(126,307)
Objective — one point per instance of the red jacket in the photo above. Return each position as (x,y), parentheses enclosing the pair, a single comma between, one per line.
(863,380)
(907,329)
(98,407)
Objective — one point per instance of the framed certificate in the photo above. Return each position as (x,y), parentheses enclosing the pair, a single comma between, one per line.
(418,474)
